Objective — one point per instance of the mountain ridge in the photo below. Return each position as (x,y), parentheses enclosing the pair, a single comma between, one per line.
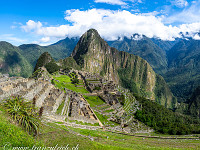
(12,62)
(94,55)
(145,48)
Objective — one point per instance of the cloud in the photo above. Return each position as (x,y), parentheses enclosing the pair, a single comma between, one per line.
(112,2)
(111,25)
(45,39)
(31,25)
(118,2)
(11,38)
(188,15)
(179,3)
(13,27)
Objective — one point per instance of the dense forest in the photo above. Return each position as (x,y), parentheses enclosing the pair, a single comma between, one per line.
(164,120)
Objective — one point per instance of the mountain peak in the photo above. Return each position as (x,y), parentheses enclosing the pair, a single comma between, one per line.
(90,35)
(44,59)
(92,31)
(90,43)
(6,44)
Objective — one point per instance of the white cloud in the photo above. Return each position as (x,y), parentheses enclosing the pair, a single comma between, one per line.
(45,39)
(187,15)
(111,25)
(112,2)
(196,37)
(13,27)
(11,38)
(180,3)
(30,25)
(118,2)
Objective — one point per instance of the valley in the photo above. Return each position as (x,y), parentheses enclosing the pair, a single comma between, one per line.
(59,126)
(100,96)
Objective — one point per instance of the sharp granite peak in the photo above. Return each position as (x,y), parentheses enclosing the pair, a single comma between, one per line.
(94,55)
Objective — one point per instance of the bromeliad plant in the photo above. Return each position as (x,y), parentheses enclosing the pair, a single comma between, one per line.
(24,113)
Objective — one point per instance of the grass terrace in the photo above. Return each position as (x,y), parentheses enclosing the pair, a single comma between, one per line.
(94,100)
(64,81)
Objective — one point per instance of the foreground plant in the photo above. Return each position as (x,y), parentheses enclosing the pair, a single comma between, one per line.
(24,113)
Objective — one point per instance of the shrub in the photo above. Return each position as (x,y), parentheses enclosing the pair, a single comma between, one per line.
(74,78)
(52,67)
(97,88)
(24,113)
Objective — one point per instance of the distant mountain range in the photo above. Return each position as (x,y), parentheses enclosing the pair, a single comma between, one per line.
(59,50)
(146,49)
(177,61)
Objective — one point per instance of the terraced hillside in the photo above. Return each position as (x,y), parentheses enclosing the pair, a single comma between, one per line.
(104,106)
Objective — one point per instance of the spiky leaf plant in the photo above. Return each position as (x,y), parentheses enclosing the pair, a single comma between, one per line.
(24,113)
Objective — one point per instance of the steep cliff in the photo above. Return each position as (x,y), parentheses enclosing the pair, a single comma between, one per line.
(94,55)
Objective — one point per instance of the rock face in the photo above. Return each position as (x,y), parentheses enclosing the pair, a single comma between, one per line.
(94,55)
(12,62)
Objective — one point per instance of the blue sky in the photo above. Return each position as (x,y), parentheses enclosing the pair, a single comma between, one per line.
(47,21)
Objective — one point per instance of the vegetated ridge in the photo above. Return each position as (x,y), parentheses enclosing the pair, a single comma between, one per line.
(94,55)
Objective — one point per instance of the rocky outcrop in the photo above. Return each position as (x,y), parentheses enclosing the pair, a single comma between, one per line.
(94,55)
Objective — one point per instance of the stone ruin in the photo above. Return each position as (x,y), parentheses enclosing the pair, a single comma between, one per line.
(48,98)
(96,83)
(80,110)
(63,104)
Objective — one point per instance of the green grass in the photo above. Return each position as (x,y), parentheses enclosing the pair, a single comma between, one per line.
(82,123)
(59,135)
(104,120)
(52,134)
(12,135)
(130,142)
(94,100)
(104,107)
(65,82)
(59,110)
(109,110)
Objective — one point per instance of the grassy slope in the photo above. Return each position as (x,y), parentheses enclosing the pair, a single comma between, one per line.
(65,82)
(13,135)
(104,140)
(52,134)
